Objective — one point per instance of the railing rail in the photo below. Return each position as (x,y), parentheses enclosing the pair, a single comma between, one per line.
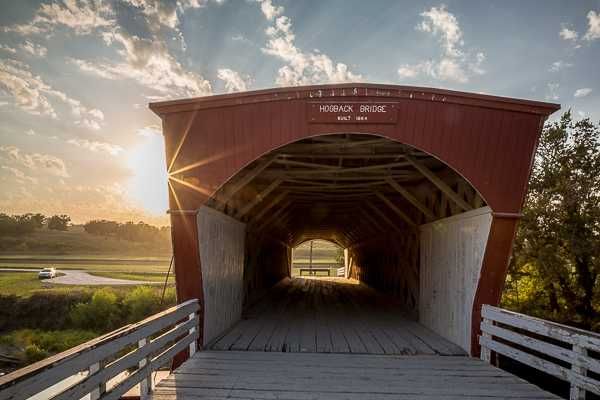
(559,350)
(149,344)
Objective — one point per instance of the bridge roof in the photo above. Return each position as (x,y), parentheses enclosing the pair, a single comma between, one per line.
(353,90)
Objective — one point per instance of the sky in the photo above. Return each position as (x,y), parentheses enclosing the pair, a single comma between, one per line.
(76,76)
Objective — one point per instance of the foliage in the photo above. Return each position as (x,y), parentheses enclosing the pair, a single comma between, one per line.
(555,269)
(136,232)
(38,344)
(102,313)
(18,225)
(59,222)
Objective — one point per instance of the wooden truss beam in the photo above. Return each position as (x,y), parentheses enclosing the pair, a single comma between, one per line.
(398,211)
(275,200)
(230,190)
(440,184)
(411,198)
(383,216)
(258,198)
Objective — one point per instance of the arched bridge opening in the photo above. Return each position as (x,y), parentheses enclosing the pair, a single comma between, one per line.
(422,188)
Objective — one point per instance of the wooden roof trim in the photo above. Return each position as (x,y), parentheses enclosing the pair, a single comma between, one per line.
(354,90)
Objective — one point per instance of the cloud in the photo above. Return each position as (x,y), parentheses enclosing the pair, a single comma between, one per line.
(31,94)
(455,64)
(34,49)
(234,82)
(583,92)
(593,31)
(269,10)
(19,175)
(150,130)
(439,22)
(97,147)
(161,12)
(302,68)
(81,16)
(568,34)
(30,132)
(148,62)
(35,161)
(8,48)
(559,66)
(552,91)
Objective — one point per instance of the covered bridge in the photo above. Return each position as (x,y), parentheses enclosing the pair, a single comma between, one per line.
(423,188)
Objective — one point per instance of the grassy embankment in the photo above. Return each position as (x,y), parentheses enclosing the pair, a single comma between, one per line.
(38,319)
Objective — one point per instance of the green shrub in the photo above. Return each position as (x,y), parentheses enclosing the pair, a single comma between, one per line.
(38,344)
(101,314)
(141,302)
(34,353)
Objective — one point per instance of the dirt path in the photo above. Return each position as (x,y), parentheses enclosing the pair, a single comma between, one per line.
(77,277)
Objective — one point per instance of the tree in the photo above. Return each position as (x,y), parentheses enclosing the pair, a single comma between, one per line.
(59,222)
(557,250)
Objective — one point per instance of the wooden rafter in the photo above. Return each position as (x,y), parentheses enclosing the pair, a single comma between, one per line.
(258,198)
(394,208)
(439,183)
(411,198)
(382,216)
(275,200)
(222,199)
(273,216)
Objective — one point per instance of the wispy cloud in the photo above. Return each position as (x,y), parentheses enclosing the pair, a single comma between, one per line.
(302,68)
(34,49)
(96,146)
(593,31)
(455,63)
(559,66)
(19,175)
(583,92)
(568,34)
(35,161)
(234,82)
(81,16)
(31,94)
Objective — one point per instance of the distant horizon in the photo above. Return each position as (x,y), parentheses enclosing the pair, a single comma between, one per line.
(76,77)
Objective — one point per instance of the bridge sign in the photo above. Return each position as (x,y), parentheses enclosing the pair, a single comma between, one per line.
(353,112)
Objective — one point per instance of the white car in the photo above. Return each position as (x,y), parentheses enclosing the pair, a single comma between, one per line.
(47,273)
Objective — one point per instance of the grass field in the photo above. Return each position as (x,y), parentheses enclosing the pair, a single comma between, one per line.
(75,241)
(123,265)
(25,284)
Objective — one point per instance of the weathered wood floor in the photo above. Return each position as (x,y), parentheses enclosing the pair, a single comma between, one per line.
(296,376)
(331,316)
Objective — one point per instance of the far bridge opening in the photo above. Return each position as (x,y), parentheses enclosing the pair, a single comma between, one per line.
(319,258)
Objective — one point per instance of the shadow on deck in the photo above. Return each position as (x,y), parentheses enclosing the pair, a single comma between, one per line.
(331,315)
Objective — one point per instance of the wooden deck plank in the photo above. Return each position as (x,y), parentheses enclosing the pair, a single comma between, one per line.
(315,376)
(330,316)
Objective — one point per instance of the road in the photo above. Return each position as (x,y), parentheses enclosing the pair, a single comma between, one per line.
(77,277)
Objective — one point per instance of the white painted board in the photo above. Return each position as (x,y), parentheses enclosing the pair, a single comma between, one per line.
(451,255)
(221,243)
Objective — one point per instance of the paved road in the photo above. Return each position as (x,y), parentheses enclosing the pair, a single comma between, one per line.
(77,277)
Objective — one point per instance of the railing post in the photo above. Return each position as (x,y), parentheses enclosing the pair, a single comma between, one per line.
(578,393)
(98,391)
(191,331)
(146,383)
(485,352)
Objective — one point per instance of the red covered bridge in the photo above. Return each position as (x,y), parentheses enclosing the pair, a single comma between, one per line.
(422,187)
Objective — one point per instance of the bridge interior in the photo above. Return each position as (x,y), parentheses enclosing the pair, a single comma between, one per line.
(373,197)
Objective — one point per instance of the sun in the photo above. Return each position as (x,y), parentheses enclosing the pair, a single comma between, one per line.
(147,187)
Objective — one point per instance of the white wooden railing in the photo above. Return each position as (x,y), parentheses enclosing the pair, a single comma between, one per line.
(536,342)
(341,272)
(148,345)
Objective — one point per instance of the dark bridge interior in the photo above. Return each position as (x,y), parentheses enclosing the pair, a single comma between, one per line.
(364,192)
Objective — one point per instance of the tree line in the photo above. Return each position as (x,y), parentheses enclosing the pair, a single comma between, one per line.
(135,232)
(555,269)
(17,225)
(25,224)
